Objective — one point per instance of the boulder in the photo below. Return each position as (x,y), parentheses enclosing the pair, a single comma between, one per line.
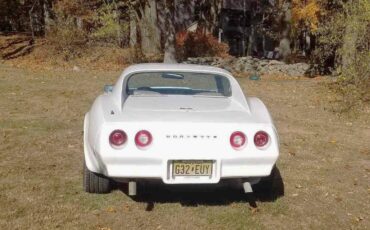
(253,65)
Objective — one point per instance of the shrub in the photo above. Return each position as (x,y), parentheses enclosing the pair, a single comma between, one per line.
(64,35)
(108,28)
(199,44)
(344,43)
(66,38)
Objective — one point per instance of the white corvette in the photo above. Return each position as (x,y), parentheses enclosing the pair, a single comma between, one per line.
(178,123)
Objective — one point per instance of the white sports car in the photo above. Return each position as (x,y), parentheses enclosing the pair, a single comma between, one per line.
(178,123)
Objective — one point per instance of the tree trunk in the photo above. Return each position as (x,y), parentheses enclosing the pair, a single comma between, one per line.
(169,48)
(208,15)
(32,28)
(215,12)
(149,31)
(133,29)
(251,40)
(47,16)
(349,43)
(117,17)
(284,45)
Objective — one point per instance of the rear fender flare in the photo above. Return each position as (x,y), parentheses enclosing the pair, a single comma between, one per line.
(90,160)
(260,112)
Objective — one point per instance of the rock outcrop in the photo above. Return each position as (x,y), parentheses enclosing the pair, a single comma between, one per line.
(253,65)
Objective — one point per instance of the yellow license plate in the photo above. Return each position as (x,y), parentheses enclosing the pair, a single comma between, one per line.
(192,168)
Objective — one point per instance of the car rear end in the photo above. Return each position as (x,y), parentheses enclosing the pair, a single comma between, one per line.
(180,127)
(187,153)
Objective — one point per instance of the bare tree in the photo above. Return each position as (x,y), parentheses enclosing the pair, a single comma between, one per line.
(133,29)
(147,22)
(31,15)
(170,39)
(285,19)
(208,14)
(48,15)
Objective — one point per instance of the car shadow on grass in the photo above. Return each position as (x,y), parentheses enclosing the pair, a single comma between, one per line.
(210,195)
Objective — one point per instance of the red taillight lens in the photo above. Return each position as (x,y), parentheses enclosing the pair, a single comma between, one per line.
(117,137)
(261,139)
(237,139)
(143,138)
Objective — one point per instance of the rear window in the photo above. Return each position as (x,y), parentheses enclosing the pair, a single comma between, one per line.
(178,83)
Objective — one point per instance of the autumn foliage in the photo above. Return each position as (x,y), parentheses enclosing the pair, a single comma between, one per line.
(305,13)
(199,44)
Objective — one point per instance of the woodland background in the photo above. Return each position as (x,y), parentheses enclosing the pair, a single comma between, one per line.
(333,36)
(56,56)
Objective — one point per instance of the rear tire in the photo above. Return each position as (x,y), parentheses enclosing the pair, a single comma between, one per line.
(271,187)
(95,183)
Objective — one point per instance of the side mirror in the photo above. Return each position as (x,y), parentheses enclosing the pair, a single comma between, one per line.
(108,88)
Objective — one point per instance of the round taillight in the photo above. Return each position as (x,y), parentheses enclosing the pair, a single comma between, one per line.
(261,138)
(117,138)
(237,139)
(143,138)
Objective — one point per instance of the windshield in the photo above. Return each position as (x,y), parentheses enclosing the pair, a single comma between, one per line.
(178,83)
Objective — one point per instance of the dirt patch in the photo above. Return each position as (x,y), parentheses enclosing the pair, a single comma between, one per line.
(325,162)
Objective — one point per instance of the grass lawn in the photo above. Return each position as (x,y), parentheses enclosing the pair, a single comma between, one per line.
(325,163)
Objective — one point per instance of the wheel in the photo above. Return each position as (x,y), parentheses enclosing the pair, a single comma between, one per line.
(95,183)
(271,187)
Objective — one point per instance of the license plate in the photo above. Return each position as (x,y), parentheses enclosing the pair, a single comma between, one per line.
(192,168)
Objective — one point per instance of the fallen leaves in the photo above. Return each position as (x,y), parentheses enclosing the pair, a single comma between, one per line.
(254,210)
(333,141)
(111,209)
(298,186)
(365,151)
(127,207)
(349,124)
(104,228)
(291,153)
(356,219)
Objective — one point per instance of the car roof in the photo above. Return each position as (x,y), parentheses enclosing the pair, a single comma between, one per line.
(175,67)
(158,67)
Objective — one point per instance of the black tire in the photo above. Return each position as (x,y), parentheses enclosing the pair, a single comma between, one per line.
(270,188)
(95,183)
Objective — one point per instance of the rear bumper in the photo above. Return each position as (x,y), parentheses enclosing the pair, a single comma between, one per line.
(161,168)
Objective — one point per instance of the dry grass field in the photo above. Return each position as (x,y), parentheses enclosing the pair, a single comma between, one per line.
(325,163)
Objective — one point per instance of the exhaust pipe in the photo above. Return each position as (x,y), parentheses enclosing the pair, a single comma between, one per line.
(132,190)
(247,187)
